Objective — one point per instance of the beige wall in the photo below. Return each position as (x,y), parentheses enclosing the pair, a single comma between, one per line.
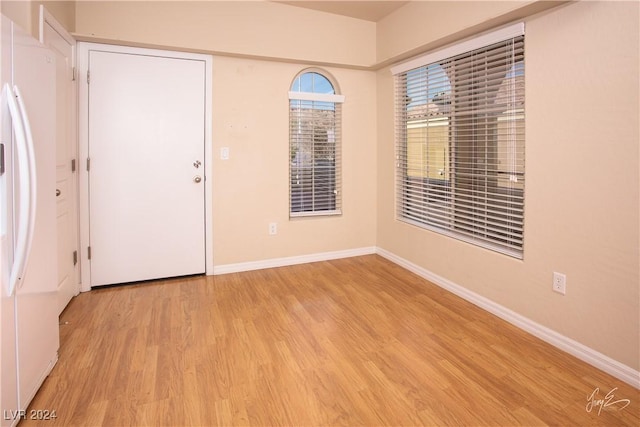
(433,21)
(18,11)
(437,23)
(251,117)
(582,185)
(253,28)
(26,13)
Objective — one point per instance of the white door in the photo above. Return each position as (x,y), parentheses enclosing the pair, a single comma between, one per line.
(62,44)
(146,136)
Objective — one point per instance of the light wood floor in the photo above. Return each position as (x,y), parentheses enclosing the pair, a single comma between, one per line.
(358,341)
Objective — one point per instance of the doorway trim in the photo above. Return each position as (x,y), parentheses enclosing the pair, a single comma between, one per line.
(46,19)
(83,139)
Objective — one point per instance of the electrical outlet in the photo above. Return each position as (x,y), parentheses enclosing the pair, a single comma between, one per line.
(273,228)
(559,283)
(224,153)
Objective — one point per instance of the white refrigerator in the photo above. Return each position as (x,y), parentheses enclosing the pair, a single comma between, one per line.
(29,338)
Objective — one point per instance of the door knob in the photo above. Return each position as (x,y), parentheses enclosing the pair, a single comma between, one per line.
(58,192)
(197,179)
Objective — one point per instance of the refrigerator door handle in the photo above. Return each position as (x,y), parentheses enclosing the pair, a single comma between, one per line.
(26,216)
(33,178)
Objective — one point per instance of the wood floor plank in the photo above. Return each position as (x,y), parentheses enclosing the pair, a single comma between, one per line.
(351,342)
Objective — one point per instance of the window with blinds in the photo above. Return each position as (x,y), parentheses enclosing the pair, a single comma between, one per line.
(460,141)
(314,146)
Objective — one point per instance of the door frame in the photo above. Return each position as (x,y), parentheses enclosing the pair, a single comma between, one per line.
(83,49)
(46,18)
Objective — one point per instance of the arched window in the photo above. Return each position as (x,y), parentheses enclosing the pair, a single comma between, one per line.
(314,145)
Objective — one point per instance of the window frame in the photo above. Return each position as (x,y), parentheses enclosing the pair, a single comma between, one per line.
(309,106)
(442,203)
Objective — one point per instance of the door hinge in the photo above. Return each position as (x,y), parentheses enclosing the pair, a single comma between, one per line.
(88,252)
(88,164)
(75,257)
(73,165)
(88,76)
(73,74)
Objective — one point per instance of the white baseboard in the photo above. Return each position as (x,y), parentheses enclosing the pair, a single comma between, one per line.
(582,352)
(283,262)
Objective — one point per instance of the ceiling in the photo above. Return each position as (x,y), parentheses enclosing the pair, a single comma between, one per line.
(361,9)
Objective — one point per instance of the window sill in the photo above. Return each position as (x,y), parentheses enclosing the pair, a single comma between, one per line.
(293,215)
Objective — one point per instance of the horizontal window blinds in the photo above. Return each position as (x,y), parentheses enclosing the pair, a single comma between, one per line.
(460,146)
(315,157)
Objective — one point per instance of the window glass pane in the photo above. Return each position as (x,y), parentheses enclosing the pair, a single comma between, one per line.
(429,93)
(312,83)
(296,85)
(306,82)
(321,84)
(516,70)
